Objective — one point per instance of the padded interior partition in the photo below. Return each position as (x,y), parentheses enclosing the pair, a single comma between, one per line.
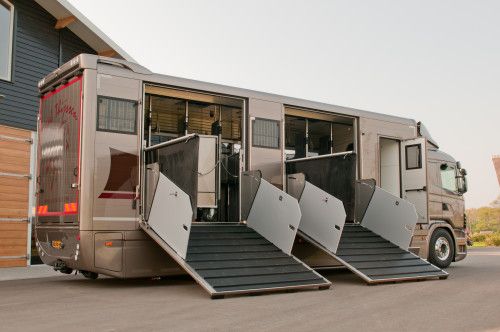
(364,192)
(179,163)
(250,182)
(335,174)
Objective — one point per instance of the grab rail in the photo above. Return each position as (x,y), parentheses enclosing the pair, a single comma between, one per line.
(173,141)
(322,156)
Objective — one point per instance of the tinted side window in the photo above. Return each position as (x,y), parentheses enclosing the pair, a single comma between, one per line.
(413,156)
(448,178)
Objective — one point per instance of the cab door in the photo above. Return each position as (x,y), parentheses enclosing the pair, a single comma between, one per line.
(414,175)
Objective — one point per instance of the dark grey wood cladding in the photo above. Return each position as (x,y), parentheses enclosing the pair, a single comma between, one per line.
(38,49)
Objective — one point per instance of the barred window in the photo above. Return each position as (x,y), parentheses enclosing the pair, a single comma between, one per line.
(116,115)
(266,133)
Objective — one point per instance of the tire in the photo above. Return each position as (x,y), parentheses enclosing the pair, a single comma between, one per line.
(441,248)
(66,270)
(89,275)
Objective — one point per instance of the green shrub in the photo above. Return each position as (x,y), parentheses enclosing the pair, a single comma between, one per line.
(493,240)
(478,237)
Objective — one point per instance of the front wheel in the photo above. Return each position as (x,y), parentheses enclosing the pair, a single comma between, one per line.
(441,248)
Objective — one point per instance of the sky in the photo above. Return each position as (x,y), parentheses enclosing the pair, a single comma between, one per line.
(434,61)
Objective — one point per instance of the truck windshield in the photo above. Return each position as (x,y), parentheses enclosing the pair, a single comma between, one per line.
(58,154)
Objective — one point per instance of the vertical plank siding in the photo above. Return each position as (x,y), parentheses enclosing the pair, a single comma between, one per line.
(15,150)
(38,49)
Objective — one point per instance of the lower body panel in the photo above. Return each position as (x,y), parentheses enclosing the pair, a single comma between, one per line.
(121,254)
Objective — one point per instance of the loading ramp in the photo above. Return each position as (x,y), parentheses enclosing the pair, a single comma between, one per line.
(377,260)
(236,259)
(364,248)
(233,258)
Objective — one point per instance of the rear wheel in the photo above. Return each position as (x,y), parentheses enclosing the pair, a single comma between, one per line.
(441,248)
(89,275)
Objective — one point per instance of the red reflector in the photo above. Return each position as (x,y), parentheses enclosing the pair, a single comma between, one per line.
(78,237)
(108,243)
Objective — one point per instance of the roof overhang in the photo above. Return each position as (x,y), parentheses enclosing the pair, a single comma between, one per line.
(68,16)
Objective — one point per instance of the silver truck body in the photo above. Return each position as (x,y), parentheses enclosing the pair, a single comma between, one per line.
(98,226)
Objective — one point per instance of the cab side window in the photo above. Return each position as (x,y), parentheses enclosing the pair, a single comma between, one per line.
(448,178)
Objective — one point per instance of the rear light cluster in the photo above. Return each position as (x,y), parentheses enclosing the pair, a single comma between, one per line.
(43,209)
(70,207)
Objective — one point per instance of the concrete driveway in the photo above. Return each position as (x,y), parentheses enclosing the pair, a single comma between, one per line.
(469,300)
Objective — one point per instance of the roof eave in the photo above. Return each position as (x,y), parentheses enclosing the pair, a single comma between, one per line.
(84,28)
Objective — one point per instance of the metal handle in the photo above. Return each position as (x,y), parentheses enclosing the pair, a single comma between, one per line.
(424,188)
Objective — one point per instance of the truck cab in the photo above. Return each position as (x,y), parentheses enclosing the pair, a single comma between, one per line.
(445,236)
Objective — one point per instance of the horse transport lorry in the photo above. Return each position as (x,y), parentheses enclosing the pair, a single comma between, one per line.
(148,175)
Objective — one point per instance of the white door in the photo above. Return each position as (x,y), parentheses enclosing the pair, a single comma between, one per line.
(414,175)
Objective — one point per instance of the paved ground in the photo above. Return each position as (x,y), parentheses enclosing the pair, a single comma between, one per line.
(33,272)
(468,301)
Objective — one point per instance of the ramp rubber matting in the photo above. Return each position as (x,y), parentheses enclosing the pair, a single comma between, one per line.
(377,260)
(236,259)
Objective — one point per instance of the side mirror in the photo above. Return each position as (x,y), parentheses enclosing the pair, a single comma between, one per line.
(463,171)
(462,184)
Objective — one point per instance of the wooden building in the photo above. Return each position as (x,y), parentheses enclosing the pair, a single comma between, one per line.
(36,37)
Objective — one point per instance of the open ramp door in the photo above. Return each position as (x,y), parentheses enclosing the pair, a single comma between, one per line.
(227,258)
(377,248)
(231,258)
(323,216)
